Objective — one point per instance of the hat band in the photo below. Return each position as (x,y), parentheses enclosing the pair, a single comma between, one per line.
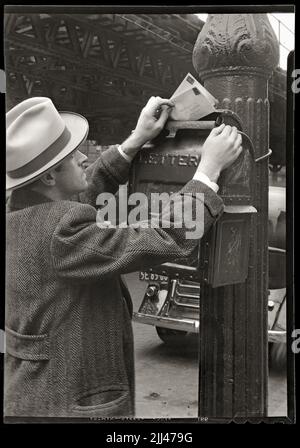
(45,157)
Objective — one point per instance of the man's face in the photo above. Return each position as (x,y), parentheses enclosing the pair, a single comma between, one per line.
(70,177)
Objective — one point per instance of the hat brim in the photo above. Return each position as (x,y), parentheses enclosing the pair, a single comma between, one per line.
(78,127)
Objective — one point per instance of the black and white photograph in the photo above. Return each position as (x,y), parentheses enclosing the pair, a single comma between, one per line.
(148,193)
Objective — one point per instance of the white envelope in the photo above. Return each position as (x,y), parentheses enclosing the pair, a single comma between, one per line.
(191,104)
(188,82)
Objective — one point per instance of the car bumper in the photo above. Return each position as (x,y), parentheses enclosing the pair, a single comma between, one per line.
(192,326)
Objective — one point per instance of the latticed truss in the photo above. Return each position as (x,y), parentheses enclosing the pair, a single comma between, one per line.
(104,66)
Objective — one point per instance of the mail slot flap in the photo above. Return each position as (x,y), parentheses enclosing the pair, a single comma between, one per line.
(210,121)
(239,209)
(174,126)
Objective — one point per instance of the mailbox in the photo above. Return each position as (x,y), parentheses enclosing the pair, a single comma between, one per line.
(166,164)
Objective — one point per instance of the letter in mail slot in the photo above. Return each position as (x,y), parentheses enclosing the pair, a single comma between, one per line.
(168,163)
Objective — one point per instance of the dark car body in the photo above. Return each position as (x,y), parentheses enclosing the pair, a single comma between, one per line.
(172,304)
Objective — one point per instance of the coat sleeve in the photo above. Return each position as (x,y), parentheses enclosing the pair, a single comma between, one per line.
(82,251)
(105,175)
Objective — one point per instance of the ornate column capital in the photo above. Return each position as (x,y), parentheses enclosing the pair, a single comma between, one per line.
(243,42)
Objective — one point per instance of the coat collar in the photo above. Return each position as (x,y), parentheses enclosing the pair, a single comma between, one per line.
(25,197)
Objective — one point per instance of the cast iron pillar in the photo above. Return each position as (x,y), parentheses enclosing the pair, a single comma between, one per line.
(234,56)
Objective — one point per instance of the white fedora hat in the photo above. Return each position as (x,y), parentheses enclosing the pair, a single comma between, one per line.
(38,138)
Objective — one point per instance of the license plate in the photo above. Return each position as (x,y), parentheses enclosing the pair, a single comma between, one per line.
(152,277)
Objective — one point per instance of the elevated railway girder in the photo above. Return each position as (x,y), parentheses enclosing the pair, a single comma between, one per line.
(106,66)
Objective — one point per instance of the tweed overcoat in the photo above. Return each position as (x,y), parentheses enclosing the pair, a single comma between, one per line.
(69,344)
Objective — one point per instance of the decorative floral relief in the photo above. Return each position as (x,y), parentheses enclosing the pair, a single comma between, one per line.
(236,40)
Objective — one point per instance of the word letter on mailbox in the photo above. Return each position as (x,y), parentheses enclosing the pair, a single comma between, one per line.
(167,164)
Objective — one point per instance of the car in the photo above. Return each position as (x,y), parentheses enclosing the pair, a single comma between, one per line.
(172,304)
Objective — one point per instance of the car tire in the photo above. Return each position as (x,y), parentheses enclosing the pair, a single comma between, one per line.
(171,337)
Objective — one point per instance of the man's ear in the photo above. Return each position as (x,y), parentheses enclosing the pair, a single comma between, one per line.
(48,179)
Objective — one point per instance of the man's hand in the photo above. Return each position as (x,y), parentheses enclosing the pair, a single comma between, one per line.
(221,148)
(152,119)
(150,123)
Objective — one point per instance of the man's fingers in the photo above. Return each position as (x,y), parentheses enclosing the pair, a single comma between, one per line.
(238,140)
(234,132)
(164,102)
(227,130)
(233,136)
(156,102)
(238,151)
(163,116)
(218,129)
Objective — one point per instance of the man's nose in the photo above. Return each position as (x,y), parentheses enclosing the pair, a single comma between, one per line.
(81,158)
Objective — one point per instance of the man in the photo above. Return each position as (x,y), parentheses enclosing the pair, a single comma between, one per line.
(69,347)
